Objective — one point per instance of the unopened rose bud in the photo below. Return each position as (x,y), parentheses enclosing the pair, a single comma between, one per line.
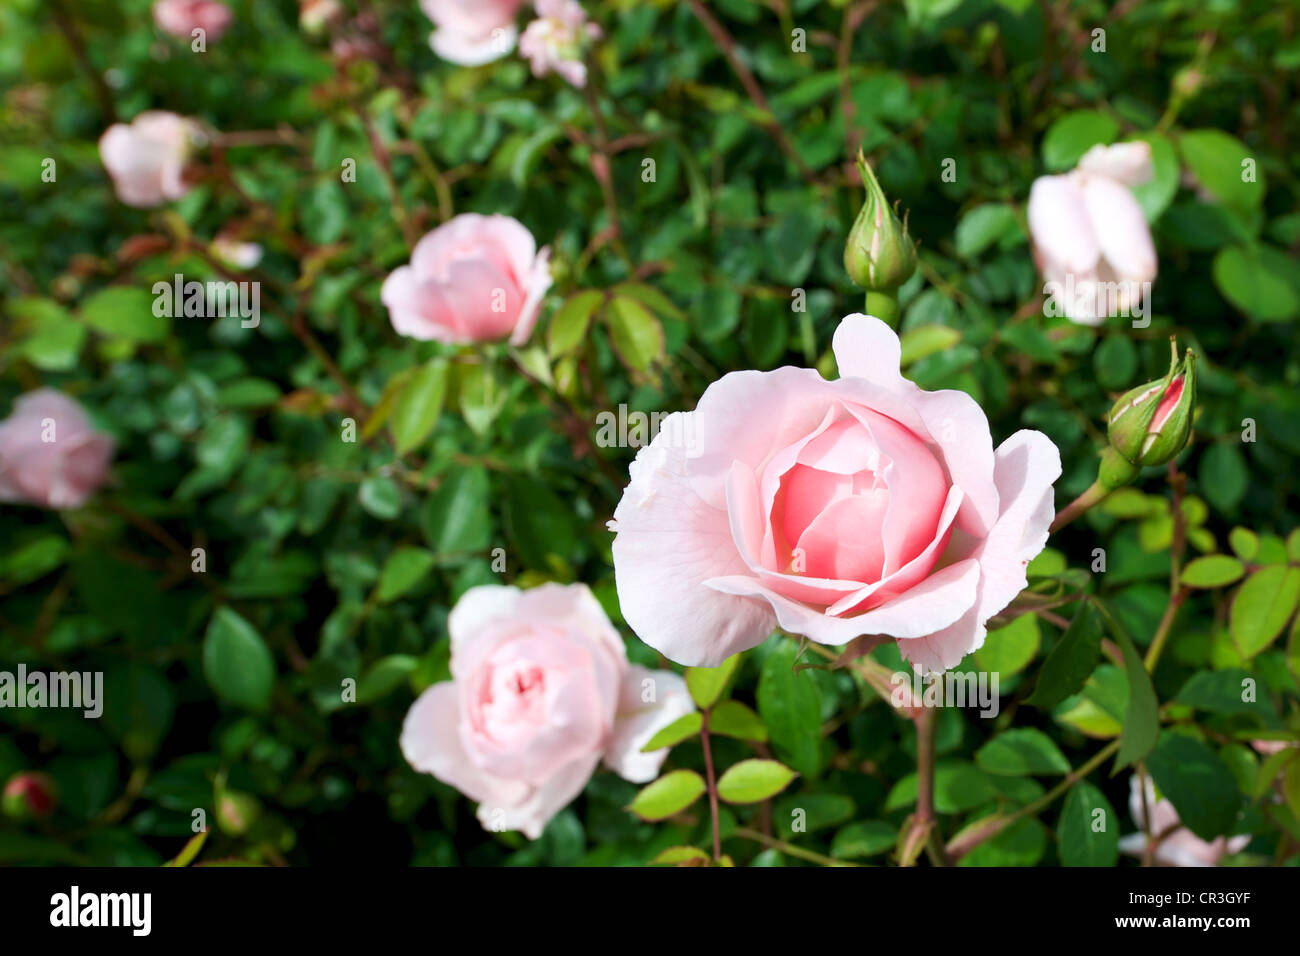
(879,254)
(28,796)
(1150,424)
(236,812)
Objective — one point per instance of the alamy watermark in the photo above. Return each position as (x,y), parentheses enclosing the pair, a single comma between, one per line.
(74,689)
(210,300)
(946,689)
(1098,298)
(633,429)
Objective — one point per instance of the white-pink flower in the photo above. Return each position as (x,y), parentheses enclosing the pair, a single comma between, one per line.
(1181,847)
(181,18)
(1091,238)
(834,509)
(556,41)
(50,455)
(473,279)
(146,159)
(541,692)
(472,32)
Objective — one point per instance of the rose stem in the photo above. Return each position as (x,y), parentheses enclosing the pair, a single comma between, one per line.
(713,787)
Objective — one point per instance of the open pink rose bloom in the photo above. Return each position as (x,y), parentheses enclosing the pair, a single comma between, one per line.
(833,509)
(473,279)
(541,692)
(50,455)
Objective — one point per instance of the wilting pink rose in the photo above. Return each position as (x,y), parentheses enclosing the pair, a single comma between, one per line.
(1182,847)
(472,32)
(473,279)
(1091,238)
(556,40)
(182,17)
(49,454)
(861,506)
(146,159)
(541,692)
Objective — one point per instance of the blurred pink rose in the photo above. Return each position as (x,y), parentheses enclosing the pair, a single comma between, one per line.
(473,279)
(834,509)
(182,17)
(49,454)
(1091,238)
(556,40)
(146,159)
(472,32)
(1182,847)
(541,691)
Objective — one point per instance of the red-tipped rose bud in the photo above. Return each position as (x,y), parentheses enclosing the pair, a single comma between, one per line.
(29,796)
(1150,424)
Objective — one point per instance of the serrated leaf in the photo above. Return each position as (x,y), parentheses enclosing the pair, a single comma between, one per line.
(706,684)
(1071,661)
(402,571)
(1212,571)
(1262,607)
(1021,751)
(418,405)
(236,661)
(1088,830)
(731,718)
(672,793)
(683,728)
(752,781)
(568,326)
(637,335)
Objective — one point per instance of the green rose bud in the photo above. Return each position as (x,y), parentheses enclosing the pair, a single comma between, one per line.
(879,255)
(1150,424)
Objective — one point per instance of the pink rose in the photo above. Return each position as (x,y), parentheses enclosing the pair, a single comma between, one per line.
(1182,847)
(1091,238)
(49,454)
(557,39)
(473,279)
(146,159)
(472,32)
(181,18)
(541,691)
(834,509)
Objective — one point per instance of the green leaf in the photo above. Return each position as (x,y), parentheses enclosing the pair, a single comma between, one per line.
(1259,280)
(924,340)
(403,570)
(1221,692)
(1020,752)
(862,839)
(53,338)
(1244,543)
(1262,607)
(1212,571)
(637,335)
(568,325)
(237,663)
(1073,134)
(790,704)
(417,406)
(125,312)
(139,704)
(456,517)
(984,225)
(1197,782)
(683,728)
(806,812)
(1021,844)
(706,684)
(1009,650)
(1223,475)
(681,856)
(752,781)
(731,718)
(1142,715)
(1088,830)
(384,676)
(672,793)
(380,497)
(1071,661)
(1217,161)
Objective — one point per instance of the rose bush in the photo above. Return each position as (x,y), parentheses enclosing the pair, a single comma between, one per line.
(941,582)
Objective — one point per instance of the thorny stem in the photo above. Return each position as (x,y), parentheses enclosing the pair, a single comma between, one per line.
(713,786)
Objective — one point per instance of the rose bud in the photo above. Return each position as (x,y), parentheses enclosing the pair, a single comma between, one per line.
(1150,424)
(29,796)
(879,254)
